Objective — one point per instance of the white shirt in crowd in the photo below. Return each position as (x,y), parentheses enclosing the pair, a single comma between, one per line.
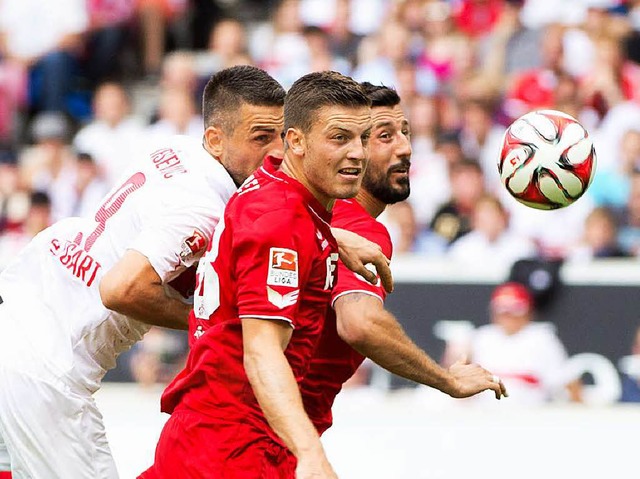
(112,148)
(530,362)
(475,248)
(35,27)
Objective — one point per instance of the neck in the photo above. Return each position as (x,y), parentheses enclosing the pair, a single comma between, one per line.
(371,204)
(236,181)
(293,168)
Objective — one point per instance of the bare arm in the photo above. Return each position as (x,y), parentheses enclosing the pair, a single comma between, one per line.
(356,252)
(366,326)
(278,395)
(133,288)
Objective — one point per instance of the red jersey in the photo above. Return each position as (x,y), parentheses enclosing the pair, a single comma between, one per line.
(275,259)
(335,361)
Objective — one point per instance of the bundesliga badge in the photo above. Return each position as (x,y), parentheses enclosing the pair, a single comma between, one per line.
(283,267)
(193,245)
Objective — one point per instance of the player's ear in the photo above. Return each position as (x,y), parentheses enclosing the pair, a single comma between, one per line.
(214,140)
(295,141)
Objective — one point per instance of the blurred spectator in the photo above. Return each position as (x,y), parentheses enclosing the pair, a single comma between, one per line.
(527,355)
(13,98)
(452,220)
(109,26)
(629,232)
(554,232)
(344,43)
(445,52)
(89,187)
(510,47)
(490,240)
(227,47)
(610,187)
(14,200)
(154,17)
(178,72)
(320,56)
(600,237)
(401,223)
(280,46)
(429,163)
(613,79)
(158,357)
(113,136)
(38,218)
(46,39)
(177,116)
(535,89)
(477,17)
(481,139)
(50,165)
(631,372)
(380,55)
(317,57)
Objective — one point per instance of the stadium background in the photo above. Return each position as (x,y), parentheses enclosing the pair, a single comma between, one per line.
(85,84)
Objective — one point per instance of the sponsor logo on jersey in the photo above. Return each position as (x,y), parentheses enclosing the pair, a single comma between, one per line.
(76,260)
(282,300)
(283,267)
(193,246)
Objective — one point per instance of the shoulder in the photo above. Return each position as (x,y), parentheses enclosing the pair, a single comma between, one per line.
(349,215)
(271,206)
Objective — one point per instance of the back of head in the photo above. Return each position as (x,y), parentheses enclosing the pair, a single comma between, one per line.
(316,90)
(381,96)
(227,90)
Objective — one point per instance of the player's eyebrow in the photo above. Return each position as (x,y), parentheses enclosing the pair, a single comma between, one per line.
(270,129)
(383,124)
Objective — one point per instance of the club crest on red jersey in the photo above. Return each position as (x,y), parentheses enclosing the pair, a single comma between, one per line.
(283,267)
(193,245)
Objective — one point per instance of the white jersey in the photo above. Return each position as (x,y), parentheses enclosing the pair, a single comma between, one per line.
(530,362)
(52,322)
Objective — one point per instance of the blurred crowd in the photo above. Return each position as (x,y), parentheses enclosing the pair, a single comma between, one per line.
(87,84)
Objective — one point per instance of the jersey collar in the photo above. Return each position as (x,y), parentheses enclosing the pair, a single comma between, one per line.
(271,166)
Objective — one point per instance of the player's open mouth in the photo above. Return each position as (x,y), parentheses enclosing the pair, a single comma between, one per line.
(351,172)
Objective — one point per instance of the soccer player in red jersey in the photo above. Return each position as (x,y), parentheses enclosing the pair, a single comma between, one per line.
(262,296)
(359,325)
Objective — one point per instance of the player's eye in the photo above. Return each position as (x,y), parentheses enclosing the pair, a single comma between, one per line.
(263,139)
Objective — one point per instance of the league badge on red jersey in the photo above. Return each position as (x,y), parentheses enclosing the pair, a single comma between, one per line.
(283,267)
(193,246)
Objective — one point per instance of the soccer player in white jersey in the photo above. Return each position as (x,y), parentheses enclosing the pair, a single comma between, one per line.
(86,289)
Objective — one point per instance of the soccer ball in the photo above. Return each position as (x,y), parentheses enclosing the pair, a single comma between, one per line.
(547,160)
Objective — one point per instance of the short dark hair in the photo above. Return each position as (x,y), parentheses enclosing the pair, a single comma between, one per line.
(316,90)
(381,95)
(39,198)
(228,89)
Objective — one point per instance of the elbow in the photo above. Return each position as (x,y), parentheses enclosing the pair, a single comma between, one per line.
(115,295)
(357,332)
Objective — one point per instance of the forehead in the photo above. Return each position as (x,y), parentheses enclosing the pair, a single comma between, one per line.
(344,117)
(256,117)
(381,115)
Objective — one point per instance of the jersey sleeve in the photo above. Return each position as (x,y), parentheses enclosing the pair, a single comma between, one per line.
(178,234)
(350,282)
(273,261)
